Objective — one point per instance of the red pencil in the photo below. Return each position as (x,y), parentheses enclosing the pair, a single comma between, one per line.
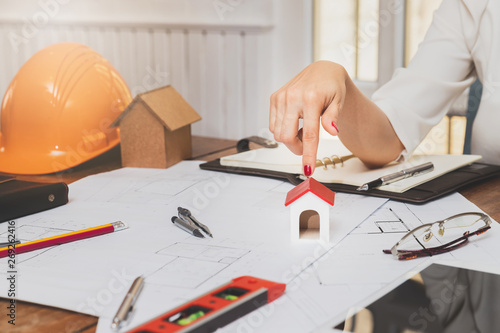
(64,238)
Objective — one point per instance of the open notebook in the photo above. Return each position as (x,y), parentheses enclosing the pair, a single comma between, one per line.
(346,169)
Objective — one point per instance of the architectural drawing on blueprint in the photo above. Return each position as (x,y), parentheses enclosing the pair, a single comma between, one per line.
(386,220)
(189,265)
(158,189)
(391,218)
(360,260)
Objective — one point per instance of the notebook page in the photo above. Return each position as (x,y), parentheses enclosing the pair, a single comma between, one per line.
(281,158)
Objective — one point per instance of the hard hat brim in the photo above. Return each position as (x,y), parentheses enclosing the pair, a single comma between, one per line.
(29,164)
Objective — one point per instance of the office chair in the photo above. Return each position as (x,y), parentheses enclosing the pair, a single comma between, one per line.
(475,93)
(466,107)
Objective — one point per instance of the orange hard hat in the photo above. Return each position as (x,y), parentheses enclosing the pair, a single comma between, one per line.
(57,110)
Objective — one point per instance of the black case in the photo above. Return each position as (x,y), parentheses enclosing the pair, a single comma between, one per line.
(420,194)
(20,198)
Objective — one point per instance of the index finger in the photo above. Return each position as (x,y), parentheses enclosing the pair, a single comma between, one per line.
(310,140)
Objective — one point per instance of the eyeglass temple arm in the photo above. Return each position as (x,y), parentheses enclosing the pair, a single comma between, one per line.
(442,248)
(411,254)
(406,255)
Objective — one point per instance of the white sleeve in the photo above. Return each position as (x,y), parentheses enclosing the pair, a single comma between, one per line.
(417,97)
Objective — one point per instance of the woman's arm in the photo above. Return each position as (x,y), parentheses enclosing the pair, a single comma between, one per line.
(324,92)
(402,111)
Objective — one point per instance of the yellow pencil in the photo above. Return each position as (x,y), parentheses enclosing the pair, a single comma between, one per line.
(61,239)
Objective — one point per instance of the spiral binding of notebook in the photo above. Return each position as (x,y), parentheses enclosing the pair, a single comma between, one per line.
(333,160)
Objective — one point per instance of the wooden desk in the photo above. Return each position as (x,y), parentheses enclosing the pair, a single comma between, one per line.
(44,319)
(486,195)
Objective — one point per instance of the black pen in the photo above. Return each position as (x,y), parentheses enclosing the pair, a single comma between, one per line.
(187,227)
(394,177)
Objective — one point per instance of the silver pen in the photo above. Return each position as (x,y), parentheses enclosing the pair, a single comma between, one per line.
(394,177)
(128,303)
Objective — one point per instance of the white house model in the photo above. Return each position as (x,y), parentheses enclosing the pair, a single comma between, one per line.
(309,204)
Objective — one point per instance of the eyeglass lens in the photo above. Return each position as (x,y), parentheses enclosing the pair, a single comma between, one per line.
(440,233)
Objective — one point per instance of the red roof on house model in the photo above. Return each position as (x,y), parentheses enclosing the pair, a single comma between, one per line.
(310,185)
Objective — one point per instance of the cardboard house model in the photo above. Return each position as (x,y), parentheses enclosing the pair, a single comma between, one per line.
(309,204)
(155,129)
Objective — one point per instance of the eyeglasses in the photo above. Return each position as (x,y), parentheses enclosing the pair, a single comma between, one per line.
(440,236)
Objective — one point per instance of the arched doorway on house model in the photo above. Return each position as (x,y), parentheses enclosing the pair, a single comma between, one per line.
(309,224)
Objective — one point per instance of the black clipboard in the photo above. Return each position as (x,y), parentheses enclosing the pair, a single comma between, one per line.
(20,198)
(433,189)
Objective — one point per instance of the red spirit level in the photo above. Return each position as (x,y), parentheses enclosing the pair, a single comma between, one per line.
(216,308)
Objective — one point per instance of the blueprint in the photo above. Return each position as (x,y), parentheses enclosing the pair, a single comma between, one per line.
(246,215)
(251,231)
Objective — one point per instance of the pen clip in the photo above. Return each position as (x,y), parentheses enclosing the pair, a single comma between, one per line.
(407,173)
(421,169)
(396,176)
(129,313)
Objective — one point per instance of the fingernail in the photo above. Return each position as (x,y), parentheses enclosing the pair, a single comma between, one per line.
(307,170)
(335,126)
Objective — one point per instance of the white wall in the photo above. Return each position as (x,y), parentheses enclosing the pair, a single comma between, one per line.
(224,56)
